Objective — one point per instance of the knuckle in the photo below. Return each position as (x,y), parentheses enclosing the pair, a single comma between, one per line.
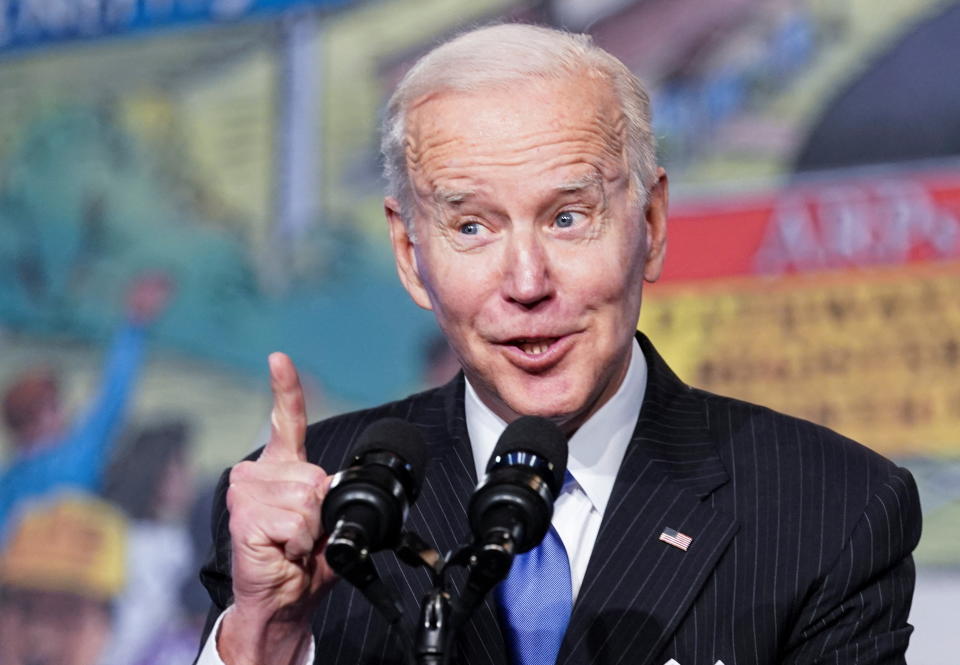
(292,526)
(299,492)
(240,471)
(311,500)
(318,476)
(299,523)
(236,501)
(233,492)
(237,525)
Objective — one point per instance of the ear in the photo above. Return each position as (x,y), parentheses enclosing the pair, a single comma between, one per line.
(656,223)
(405,254)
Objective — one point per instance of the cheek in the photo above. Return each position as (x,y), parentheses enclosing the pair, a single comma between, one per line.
(459,285)
(454,305)
(601,278)
(610,283)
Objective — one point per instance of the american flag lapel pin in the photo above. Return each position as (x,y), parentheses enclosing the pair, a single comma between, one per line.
(673,537)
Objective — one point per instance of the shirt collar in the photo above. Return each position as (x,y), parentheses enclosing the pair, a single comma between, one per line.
(596,449)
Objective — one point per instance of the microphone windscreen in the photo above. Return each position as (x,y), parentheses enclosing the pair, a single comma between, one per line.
(399,437)
(539,436)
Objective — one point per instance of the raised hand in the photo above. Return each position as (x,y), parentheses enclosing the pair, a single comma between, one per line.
(279,571)
(148,297)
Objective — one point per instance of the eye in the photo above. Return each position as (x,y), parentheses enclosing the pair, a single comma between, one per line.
(567,219)
(470,232)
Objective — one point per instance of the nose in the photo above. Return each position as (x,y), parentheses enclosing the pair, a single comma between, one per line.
(527,274)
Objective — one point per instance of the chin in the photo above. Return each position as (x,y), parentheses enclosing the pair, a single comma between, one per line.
(555,406)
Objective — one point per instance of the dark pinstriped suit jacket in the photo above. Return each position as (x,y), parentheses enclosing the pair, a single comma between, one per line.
(800,554)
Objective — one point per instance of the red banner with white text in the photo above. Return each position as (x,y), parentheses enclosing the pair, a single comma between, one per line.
(836,300)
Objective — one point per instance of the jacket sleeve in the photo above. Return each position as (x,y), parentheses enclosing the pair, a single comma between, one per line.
(857,613)
(215,573)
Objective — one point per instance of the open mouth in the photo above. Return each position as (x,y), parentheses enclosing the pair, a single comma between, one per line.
(534,347)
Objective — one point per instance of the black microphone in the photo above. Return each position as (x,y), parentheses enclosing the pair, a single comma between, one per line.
(367,503)
(524,477)
(510,510)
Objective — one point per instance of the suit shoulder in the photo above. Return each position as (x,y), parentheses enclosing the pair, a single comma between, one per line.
(756,435)
(805,481)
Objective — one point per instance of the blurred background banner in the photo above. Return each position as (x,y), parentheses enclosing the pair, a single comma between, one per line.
(187,185)
(42,22)
(809,297)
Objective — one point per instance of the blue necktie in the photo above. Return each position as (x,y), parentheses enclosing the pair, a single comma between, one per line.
(535,601)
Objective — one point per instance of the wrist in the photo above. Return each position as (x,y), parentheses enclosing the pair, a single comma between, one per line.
(254,637)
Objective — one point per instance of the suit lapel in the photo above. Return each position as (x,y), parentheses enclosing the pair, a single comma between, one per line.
(440,515)
(637,588)
(441,510)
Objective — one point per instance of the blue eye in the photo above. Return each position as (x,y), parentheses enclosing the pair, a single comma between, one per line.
(566,219)
(470,229)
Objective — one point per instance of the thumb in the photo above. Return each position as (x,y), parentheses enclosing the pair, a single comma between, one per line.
(288,419)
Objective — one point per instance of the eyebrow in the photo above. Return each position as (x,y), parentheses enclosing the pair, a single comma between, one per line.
(587,181)
(451,196)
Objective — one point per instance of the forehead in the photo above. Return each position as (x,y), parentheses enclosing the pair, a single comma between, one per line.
(570,127)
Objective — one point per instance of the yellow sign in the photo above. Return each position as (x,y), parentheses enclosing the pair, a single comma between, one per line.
(873,354)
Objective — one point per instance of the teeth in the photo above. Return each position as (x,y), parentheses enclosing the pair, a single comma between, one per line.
(534,348)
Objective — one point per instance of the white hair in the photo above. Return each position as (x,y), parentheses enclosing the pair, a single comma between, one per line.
(499,55)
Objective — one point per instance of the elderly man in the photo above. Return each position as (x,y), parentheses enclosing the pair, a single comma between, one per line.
(526,211)
(60,572)
(49,452)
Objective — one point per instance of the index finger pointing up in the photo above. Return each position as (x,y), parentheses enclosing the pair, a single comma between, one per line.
(288,420)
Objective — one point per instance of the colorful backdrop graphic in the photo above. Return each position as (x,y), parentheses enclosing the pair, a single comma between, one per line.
(810,298)
(231,146)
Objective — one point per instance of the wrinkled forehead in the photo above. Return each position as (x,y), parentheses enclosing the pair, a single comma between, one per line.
(501,124)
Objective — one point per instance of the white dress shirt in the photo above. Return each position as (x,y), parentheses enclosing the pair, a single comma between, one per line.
(596,451)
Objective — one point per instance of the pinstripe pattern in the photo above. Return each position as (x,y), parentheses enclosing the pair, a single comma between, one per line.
(800,552)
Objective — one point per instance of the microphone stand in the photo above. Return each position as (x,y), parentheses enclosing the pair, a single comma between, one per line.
(433,642)
(441,616)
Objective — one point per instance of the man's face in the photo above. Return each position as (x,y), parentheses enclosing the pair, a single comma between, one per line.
(530,246)
(51,628)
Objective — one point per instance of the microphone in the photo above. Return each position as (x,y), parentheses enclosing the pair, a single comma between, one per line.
(368,501)
(524,477)
(510,510)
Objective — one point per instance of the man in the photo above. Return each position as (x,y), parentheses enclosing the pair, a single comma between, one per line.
(52,453)
(59,574)
(526,211)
